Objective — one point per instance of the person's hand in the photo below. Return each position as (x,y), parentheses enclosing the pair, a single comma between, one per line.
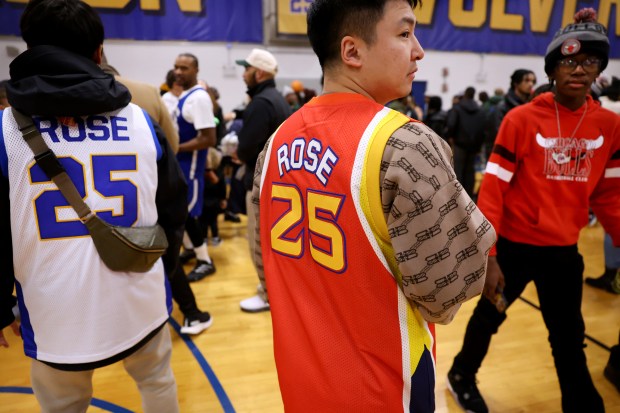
(15,328)
(230,116)
(223,203)
(494,280)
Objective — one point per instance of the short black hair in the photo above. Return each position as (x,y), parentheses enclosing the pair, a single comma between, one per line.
(70,24)
(330,20)
(170,78)
(191,56)
(518,75)
(434,103)
(470,92)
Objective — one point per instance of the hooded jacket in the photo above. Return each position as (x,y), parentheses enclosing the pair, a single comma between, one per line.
(466,125)
(49,81)
(538,187)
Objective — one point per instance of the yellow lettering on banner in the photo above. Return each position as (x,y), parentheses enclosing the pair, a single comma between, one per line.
(107,4)
(540,14)
(189,6)
(570,8)
(194,6)
(604,12)
(149,4)
(500,20)
(467,18)
(424,14)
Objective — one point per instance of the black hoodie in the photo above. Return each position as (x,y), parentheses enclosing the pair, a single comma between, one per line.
(465,125)
(51,81)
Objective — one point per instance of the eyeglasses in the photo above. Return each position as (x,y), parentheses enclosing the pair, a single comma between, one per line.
(590,65)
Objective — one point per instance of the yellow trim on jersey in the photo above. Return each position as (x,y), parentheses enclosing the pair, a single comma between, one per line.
(370,196)
(370,188)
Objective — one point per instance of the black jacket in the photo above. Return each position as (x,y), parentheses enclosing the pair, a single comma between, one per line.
(437,122)
(466,125)
(261,118)
(51,81)
(496,114)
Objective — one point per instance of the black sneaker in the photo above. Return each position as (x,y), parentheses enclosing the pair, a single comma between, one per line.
(605,281)
(186,256)
(197,324)
(232,217)
(465,392)
(201,270)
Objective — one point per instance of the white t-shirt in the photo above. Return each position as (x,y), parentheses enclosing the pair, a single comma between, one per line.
(171,101)
(172,104)
(198,109)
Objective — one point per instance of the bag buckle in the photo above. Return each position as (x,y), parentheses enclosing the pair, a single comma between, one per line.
(87,217)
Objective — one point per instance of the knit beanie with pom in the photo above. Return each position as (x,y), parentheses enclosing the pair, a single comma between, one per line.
(586,35)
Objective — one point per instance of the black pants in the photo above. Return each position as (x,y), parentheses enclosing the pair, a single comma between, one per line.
(194,231)
(557,273)
(208,220)
(182,293)
(464,162)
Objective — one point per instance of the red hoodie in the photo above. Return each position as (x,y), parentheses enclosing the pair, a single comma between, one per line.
(537,187)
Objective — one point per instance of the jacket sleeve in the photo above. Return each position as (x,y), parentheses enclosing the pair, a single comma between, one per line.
(171,201)
(7,276)
(440,239)
(452,123)
(165,121)
(255,131)
(605,200)
(500,169)
(254,208)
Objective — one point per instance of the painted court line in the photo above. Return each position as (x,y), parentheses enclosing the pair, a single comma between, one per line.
(202,362)
(102,404)
(206,368)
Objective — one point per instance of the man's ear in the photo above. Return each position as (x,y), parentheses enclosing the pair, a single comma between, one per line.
(261,75)
(351,51)
(97,54)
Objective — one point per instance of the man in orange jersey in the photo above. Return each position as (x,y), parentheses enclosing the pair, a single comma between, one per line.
(367,237)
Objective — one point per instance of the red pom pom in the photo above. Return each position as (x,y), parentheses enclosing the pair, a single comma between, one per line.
(587,15)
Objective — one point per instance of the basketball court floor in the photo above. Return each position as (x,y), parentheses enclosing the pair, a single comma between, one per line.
(230,367)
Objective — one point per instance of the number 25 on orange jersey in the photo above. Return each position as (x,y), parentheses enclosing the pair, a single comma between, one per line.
(326,238)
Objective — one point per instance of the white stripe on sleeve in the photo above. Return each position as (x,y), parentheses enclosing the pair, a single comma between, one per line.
(503,174)
(612,173)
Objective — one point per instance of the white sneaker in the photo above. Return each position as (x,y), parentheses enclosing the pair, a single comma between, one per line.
(254,305)
(16,313)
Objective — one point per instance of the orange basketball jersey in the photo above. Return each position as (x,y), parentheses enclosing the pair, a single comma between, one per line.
(345,337)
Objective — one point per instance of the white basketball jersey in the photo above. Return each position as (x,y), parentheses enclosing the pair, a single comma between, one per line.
(76,310)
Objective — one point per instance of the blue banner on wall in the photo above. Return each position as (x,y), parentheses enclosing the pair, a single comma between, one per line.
(483,26)
(193,20)
(506,26)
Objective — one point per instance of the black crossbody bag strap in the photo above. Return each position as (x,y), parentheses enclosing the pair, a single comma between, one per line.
(51,166)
